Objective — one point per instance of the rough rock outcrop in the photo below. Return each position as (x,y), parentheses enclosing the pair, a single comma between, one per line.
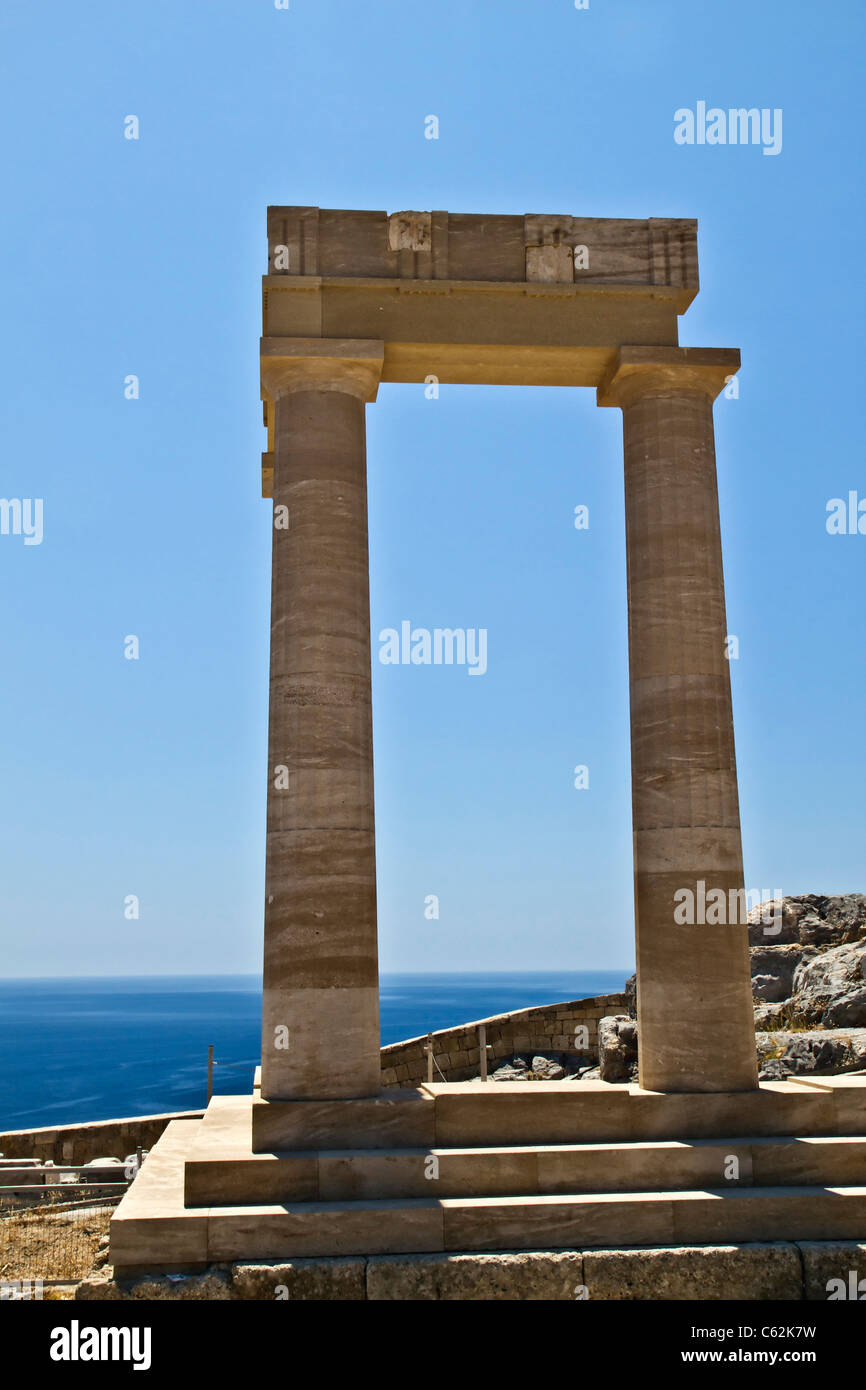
(830,988)
(808,963)
(773,969)
(800,1054)
(545,1069)
(809,920)
(515,1070)
(542,1068)
(617,1048)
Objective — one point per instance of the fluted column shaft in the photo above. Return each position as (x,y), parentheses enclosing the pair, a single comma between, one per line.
(320,1022)
(695,1020)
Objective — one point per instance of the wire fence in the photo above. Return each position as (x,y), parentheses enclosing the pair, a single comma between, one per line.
(54,1222)
(58,1239)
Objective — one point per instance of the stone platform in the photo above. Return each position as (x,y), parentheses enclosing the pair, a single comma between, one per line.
(485,1167)
(755,1271)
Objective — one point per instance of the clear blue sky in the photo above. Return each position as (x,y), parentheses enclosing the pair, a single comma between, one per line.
(148,777)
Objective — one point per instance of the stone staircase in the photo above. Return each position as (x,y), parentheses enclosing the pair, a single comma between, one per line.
(475,1166)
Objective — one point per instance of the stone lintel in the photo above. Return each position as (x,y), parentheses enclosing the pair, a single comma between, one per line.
(433,244)
(642,371)
(476,332)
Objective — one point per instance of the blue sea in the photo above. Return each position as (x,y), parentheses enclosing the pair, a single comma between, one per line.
(92,1049)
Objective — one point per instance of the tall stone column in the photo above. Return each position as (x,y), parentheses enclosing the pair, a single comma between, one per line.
(695,1021)
(320,1018)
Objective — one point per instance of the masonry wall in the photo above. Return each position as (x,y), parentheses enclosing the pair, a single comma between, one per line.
(548,1028)
(76,1144)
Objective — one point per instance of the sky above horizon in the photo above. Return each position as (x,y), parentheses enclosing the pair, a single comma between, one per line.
(147,777)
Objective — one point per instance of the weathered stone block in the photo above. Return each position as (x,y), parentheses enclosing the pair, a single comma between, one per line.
(301,1280)
(515,1277)
(206,1287)
(710,1272)
(826,1260)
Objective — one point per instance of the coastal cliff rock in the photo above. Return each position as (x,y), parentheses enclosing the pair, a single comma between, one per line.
(808,963)
(830,988)
(811,920)
(801,1054)
(773,970)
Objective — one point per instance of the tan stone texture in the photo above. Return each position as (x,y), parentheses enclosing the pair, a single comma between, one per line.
(712,1272)
(694,998)
(320,968)
(825,1260)
(754,1271)
(505,1276)
(301,1280)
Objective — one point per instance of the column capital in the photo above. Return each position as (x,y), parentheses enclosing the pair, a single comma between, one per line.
(352,365)
(666,371)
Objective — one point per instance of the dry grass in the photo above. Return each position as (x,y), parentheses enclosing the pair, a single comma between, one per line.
(40,1243)
(789,1021)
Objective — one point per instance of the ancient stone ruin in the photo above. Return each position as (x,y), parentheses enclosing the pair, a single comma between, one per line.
(322,1161)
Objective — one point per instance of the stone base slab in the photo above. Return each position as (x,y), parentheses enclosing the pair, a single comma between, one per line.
(561,1112)
(392,1118)
(154,1230)
(793,1190)
(476,1113)
(757,1271)
(222,1169)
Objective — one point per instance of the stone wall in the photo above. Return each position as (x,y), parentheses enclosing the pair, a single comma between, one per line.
(775,1271)
(76,1144)
(548,1028)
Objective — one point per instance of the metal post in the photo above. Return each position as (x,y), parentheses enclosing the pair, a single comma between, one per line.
(429,1051)
(209,1073)
(482,1051)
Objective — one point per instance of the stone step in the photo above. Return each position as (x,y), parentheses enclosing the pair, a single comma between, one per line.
(478,1114)
(396,1118)
(231,1173)
(153,1229)
(576,1220)
(475,1114)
